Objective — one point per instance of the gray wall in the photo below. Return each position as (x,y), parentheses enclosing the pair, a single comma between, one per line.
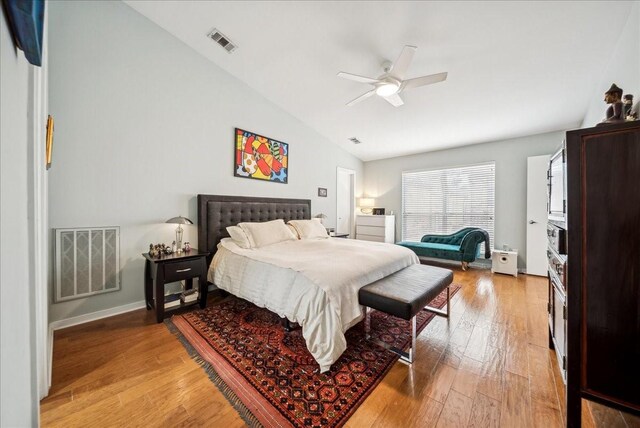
(383,180)
(18,398)
(623,68)
(144,124)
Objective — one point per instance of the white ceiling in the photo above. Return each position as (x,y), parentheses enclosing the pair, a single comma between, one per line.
(515,68)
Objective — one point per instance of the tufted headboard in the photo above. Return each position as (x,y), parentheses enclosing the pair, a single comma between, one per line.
(217,212)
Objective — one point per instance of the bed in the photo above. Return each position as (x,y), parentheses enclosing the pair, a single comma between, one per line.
(312,282)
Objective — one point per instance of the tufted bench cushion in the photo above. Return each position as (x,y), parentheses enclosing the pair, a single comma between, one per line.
(404,294)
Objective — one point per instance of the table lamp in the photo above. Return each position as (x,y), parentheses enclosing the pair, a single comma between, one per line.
(179,221)
(366,205)
(322,217)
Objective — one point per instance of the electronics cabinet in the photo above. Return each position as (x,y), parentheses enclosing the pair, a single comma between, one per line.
(557,256)
(603,268)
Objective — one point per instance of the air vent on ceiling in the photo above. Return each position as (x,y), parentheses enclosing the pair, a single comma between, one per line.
(354,140)
(222,40)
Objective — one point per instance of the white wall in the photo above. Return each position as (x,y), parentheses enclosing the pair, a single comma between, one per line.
(383,180)
(18,396)
(623,68)
(144,124)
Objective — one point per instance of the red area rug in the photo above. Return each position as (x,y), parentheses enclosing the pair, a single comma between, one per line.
(270,377)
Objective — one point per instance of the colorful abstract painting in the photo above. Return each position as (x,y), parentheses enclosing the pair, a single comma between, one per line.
(260,157)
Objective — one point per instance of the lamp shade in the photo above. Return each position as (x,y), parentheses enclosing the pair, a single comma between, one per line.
(179,220)
(366,202)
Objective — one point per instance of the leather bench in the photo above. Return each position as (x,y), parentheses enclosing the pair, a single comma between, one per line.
(404,294)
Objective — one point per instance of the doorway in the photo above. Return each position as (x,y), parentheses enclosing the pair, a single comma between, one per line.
(345,201)
(537,215)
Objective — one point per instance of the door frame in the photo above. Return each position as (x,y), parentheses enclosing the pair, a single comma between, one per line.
(352,206)
(38,223)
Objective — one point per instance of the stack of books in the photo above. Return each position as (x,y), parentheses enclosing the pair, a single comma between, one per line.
(177,299)
(188,296)
(172,300)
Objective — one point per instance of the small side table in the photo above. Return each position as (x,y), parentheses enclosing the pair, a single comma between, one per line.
(159,271)
(505,262)
(340,235)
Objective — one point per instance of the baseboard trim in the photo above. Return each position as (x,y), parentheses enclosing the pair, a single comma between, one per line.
(478,264)
(81,319)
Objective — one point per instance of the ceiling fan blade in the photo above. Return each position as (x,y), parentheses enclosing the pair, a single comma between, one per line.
(357,78)
(424,80)
(361,97)
(403,62)
(394,100)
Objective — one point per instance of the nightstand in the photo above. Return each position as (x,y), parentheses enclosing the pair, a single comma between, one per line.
(159,271)
(340,235)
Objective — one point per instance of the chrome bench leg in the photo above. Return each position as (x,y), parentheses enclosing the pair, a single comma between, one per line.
(367,322)
(405,357)
(440,311)
(408,357)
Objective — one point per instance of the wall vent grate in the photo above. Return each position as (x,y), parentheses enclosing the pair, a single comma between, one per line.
(222,40)
(87,262)
(354,140)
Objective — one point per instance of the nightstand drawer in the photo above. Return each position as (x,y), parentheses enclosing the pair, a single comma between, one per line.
(370,230)
(370,238)
(182,270)
(371,220)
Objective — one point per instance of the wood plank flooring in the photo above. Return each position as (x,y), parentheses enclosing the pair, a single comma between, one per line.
(488,365)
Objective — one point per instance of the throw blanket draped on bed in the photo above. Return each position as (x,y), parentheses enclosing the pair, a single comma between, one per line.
(312,282)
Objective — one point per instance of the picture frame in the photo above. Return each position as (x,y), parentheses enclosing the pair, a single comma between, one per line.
(260,158)
(49,142)
(322,192)
(378,211)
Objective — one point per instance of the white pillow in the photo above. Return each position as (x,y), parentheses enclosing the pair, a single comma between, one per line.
(239,237)
(308,229)
(267,233)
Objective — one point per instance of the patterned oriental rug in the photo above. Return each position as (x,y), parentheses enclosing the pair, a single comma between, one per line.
(270,377)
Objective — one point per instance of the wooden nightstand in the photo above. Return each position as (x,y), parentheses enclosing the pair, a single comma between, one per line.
(340,235)
(175,267)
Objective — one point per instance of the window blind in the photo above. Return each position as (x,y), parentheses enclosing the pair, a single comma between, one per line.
(443,201)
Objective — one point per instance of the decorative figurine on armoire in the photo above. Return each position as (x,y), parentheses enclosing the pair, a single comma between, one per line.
(616,108)
(629,112)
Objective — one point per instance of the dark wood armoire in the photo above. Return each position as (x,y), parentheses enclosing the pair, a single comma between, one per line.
(603,278)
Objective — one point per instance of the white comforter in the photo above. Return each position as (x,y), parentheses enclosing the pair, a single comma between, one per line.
(312,282)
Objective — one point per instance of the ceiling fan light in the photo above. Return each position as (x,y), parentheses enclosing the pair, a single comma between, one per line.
(387,89)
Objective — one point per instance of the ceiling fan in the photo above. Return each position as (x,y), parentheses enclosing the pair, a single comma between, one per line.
(392,82)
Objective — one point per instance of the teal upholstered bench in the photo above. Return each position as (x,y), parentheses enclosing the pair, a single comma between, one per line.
(462,246)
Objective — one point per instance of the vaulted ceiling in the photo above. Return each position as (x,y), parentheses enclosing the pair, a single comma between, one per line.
(515,68)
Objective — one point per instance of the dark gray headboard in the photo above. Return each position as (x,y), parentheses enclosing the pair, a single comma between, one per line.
(217,212)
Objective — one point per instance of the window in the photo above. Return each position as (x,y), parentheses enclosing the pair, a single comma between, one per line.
(443,201)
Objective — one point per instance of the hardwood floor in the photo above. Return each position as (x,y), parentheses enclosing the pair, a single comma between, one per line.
(487,366)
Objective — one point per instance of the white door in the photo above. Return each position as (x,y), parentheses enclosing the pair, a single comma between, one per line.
(537,215)
(345,200)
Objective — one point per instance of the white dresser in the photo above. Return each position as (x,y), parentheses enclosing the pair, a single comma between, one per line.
(379,228)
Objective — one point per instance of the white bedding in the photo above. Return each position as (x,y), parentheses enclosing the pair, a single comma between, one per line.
(313,282)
